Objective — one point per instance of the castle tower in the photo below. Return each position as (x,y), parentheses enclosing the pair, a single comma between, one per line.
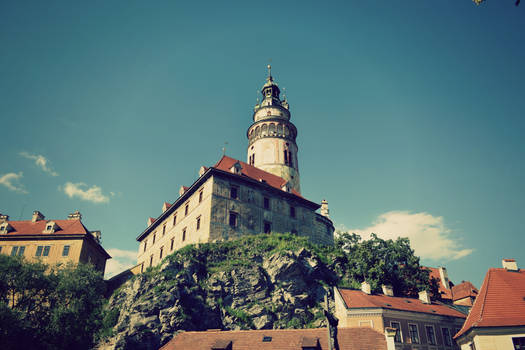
(272,146)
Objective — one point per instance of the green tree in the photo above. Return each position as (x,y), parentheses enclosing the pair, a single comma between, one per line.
(379,261)
(48,308)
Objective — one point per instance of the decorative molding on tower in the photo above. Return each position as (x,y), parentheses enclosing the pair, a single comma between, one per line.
(272,136)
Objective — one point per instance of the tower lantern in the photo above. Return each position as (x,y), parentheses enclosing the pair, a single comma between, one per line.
(272,146)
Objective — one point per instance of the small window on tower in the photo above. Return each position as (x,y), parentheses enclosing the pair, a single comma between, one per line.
(234,192)
(233,219)
(266,202)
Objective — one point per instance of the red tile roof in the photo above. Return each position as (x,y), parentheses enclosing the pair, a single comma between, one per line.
(446,293)
(65,227)
(282,339)
(501,301)
(359,299)
(225,163)
(463,290)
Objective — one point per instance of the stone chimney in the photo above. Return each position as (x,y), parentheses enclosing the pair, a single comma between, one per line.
(202,170)
(365,287)
(4,218)
(324,208)
(444,277)
(97,235)
(424,297)
(37,216)
(390,334)
(75,216)
(387,290)
(509,264)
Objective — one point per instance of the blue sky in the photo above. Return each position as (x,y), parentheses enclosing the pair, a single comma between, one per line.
(410,113)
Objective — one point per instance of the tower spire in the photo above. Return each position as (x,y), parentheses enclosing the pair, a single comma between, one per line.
(270,78)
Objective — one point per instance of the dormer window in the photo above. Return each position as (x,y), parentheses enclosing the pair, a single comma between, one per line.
(236,168)
(286,187)
(51,227)
(5,228)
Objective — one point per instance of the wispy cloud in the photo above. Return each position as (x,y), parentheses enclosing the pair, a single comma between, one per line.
(428,234)
(12,182)
(120,260)
(41,161)
(81,190)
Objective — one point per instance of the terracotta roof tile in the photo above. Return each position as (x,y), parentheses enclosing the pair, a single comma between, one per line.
(28,227)
(446,293)
(282,339)
(501,301)
(225,163)
(463,290)
(359,299)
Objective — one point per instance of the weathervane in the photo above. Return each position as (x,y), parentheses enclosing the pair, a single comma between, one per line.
(224,148)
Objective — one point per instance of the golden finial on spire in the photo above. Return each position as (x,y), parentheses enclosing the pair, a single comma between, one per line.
(269,71)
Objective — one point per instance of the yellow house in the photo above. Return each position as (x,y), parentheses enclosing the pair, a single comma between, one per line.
(497,319)
(52,241)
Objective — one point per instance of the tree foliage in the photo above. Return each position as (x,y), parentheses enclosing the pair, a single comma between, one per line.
(48,308)
(478,2)
(380,261)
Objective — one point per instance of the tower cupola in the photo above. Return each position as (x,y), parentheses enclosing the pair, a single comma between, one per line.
(272,136)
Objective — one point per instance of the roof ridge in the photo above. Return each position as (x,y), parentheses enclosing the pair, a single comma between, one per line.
(482,307)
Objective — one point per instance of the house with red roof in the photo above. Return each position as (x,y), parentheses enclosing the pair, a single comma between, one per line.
(234,198)
(419,323)
(282,339)
(52,241)
(497,318)
(462,294)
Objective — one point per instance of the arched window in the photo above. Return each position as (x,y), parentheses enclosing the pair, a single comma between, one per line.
(264,130)
(280,129)
(271,129)
(257,131)
(286,131)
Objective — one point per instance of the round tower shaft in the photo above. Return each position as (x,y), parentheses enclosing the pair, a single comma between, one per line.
(272,146)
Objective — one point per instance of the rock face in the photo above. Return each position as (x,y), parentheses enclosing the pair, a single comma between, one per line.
(224,285)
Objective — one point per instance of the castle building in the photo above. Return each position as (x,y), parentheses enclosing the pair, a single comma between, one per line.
(52,241)
(234,198)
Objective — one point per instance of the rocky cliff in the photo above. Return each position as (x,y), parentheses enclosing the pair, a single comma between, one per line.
(256,282)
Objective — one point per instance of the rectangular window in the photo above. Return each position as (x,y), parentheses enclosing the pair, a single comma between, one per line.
(151,261)
(172,242)
(267,227)
(200,196)
(519,342)
(154,236)
(142,268)
(292,212)
(39,250)
(145,245)
(184,234)
(46,250)
(414,334)
(446,337)
(431,335)
(198,223)
(49,227)
(0,248)
(65,251)
(233,192)
(233,219)
(163,230)
(174,219)
(21,251)
(266,203)
(14,251)
(285,157)
(186,209)
(398,338)
(161,251)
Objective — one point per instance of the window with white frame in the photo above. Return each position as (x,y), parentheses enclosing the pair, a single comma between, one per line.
(446,336)
(414,333)
(431,335)
(398,338)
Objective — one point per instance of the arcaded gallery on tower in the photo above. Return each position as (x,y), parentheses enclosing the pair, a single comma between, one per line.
(234,198)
